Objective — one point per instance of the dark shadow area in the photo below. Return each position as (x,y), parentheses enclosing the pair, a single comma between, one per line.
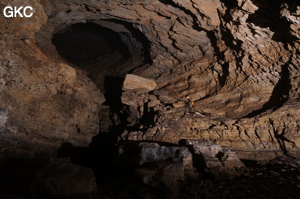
(198,161)
(147,120)
(101,51)
(86,43)
(140,37)
(99,156)
(225,67)
(229,5)
(250,163)
(293,5)
(18,172)
(113,87)
(268,16)
(281,139)
(102,151)
(280,93)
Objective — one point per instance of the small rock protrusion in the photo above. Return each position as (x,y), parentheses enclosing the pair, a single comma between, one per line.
(134,82)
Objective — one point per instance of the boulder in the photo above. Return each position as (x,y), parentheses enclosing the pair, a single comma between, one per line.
(153,152)
(165,167)
(165,176)
(222,164)
(134,82)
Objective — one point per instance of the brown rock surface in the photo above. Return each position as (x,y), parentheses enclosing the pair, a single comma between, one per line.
(47,101)
(238,62)
(134,82)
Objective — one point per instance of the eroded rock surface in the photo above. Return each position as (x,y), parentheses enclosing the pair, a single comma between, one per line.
(237,61)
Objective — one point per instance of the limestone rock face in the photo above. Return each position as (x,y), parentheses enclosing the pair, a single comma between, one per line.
(134,82)
(47,102)
(237,61)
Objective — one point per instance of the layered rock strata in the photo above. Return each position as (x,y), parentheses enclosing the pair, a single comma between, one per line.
(236,61)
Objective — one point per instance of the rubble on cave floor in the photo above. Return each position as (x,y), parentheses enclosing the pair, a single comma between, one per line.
(162,171)
(157,170)
(274,179)
(279,178)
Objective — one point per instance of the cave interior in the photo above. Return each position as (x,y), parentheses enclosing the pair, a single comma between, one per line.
(106,50)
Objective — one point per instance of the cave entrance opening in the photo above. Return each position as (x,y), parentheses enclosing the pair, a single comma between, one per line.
(88,44)
(98,50)
(103,48)
(82,44)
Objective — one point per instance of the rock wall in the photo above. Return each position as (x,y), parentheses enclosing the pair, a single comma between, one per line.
(236,61)
(47,101)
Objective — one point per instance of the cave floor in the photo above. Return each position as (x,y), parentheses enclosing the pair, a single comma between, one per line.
(265,181)
(277,179)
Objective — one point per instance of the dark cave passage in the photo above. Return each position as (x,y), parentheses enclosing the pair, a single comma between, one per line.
(106,50)
(106,56)
(100,48)
(269,16)
(84,44)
